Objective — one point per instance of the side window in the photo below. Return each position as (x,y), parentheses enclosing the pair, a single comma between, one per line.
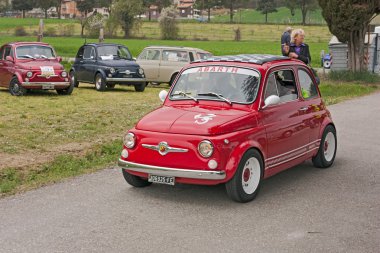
(191,56)
(282,83)
(80,53)
(1,53)
(308,89)
(89,53)
(150,54)
(176,56)
(7,52)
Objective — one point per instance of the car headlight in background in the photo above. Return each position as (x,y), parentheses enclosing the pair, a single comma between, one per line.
(141,71)
(129,140)
(205,148)
(64,74)
(29,74)
(112,70)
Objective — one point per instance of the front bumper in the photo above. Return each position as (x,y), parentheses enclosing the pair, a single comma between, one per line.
(42,85)
(125,80)
(172,172)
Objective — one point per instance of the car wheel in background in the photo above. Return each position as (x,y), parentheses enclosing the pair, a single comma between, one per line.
(245,184)
(15,88)
(73,79)
(67,91)
(100,83)
(134,180)
(140,87)
(327,149)
(327,64)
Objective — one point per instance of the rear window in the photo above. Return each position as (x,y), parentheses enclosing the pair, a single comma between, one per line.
(239,85)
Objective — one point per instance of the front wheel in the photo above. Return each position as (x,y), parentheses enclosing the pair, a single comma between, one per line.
(134,180)
(73,79)
(245,184)
(100,83)
(67,91)
(15,88)
(327,149)
(140,87)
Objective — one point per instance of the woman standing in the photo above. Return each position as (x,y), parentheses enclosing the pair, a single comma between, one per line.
(298,49)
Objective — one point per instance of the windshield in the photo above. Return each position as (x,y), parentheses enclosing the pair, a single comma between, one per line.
(114,53)
(224,83)
(34,52)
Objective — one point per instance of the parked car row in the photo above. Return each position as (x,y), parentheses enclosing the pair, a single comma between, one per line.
(32,65)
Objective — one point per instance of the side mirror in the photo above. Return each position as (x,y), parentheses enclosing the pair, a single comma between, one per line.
(59,59)
(9,58)
(271,100)
(162,95)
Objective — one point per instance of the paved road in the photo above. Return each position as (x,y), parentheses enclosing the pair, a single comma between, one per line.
(301,210)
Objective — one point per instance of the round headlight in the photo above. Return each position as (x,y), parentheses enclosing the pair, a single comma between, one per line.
(64,74)
(129,140)
(112,70)
(29,74)
(205,148)
(141,71)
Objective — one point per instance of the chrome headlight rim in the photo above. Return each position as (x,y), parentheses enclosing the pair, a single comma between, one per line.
(112,70)
(201,146)
(64,74)
(129,140)
(29,74)
(141,71)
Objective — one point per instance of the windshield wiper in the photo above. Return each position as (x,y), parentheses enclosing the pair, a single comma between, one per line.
(213,94)
(181,93)
(27,56)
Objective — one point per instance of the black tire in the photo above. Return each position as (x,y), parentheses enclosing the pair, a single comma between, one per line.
(140,87)
(111,86)
(234,187)
(15,88)
(100,83)
(325,158)
(67,91)
(73,79)
(134,180)
(172,79)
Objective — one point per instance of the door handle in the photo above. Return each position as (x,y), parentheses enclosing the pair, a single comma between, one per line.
(303,109)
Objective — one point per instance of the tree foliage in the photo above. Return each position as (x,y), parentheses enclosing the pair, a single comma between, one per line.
(22,5)
(125,12)
(168,23)
(348,20)
(207,5)
(304,5)
(266,7)
(45,5)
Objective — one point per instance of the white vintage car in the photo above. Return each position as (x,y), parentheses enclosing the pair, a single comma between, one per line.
(161,64)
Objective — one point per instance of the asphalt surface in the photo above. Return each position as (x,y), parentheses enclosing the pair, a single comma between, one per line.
(303,209)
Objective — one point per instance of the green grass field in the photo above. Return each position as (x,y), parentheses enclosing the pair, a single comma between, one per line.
(282,16)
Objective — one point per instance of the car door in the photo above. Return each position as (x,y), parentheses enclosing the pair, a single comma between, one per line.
(89,64)
(149,61)
(312,109)
(78,65)
(6,72)
(172,62)
(286,137)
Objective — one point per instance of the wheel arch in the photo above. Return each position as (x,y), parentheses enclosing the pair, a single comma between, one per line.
(99,71)
(18,76)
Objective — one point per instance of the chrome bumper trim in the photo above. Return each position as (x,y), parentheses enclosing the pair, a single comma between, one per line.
(172,172)
(132,80)
(27,84)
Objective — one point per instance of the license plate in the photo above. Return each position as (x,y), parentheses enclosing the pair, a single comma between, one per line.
(48,87)
(161,179)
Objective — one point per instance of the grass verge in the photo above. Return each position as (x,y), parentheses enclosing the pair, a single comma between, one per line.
(350,76)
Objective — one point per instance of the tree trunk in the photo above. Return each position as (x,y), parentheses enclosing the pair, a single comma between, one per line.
(356,51)
(149,15)
(46,14)
(231,11)
(23,13)
(304,13)
(209,14)
(266,17)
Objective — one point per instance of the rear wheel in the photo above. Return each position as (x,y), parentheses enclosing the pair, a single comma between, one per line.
(245,184)
(15,88)
(100,83)
(73,79)
(327,149)
(140,87)
(134,180)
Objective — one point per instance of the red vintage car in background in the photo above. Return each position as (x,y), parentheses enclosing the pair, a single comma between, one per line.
(234,120)
(32,65)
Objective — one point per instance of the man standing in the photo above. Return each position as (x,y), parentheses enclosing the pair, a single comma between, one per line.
(285,40)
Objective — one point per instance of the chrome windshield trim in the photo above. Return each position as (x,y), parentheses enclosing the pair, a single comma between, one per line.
(172,172)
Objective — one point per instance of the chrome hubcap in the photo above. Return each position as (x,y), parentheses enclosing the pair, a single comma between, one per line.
(16,88)
(251,175)
(329,147)
(98,82)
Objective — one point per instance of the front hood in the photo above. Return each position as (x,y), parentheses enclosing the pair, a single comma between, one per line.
(198,120)
(119,64)
(37,64)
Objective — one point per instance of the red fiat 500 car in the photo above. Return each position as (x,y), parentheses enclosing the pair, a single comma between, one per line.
(234,120)
(31,65)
